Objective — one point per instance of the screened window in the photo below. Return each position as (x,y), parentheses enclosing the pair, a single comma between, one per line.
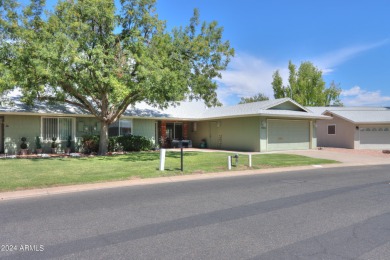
(57,127)
(331,129)
(120,127)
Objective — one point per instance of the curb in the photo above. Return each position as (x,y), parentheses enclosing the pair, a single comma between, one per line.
(33,193)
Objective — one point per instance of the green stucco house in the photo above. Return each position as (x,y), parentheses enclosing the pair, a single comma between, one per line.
(273,125)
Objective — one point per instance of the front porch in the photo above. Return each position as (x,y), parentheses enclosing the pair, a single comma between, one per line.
(173,134)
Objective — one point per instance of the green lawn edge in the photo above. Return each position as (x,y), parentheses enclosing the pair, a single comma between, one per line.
(21,174)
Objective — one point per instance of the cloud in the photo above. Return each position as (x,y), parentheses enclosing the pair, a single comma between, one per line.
(247,76)
(357,96)
(331,59)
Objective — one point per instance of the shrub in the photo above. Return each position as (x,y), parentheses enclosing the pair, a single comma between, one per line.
(38,144)
(113,145)
(53,143)
(135,143)
(90,143)
(128,143)
(69,142)
(23,145)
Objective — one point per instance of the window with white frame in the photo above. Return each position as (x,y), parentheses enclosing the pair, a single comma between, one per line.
(60,127)
(121,127)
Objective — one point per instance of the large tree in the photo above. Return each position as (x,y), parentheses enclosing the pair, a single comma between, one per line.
(306,86)
(92,55)
(6,11)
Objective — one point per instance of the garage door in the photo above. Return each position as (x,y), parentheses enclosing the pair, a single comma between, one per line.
(288,135)
(375,137)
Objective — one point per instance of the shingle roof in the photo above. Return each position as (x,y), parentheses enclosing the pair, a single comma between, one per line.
(186,110)
(15,105)
(198,111)
(321,110)
(368,115)
(364,116)
(258,108)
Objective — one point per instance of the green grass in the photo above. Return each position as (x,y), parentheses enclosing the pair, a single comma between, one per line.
(19,174)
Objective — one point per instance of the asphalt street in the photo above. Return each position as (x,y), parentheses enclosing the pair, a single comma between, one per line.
(323,213)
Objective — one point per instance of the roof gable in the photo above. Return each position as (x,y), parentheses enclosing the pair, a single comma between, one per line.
(284,107)
(287,104)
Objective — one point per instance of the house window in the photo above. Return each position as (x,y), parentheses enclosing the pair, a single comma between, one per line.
(120,127)
(331,129)
(174,131)
(60,127)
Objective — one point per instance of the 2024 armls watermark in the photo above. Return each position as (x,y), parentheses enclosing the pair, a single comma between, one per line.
(21,248)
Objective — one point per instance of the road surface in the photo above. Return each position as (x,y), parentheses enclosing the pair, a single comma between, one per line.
(334,213)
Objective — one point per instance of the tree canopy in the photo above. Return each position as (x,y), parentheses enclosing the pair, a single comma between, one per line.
(103,58)
(306,86)
(255,98)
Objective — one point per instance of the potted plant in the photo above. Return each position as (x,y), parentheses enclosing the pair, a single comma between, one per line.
(68,145)
(54,145)
(23,146)
(203,143)
(38,145)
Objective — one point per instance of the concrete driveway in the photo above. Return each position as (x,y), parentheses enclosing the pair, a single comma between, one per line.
(348,157)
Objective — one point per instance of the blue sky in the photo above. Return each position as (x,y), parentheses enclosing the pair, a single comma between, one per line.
(348,40)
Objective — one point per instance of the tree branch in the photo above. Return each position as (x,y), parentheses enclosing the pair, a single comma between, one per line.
(125,103)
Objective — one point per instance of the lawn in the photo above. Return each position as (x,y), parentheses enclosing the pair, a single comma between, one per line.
(38,173)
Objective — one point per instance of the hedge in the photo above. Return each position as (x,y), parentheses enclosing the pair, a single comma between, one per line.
(128,143)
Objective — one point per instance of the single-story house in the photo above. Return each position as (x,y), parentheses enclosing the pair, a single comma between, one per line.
(273,125)
(354,127)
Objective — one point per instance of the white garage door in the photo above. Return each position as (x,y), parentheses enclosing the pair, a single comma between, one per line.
(288,135)
(375,137)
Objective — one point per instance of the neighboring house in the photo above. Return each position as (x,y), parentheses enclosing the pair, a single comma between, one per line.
(272,125)
(354,127)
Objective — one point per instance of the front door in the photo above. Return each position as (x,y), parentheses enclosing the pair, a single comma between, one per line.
(1,134)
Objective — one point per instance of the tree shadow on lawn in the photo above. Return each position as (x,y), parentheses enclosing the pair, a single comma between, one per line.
(130,157)
(145,156)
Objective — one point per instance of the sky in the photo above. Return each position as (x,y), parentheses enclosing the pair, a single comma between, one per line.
(348,40)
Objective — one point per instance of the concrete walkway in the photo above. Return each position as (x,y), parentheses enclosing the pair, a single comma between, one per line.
(345,156)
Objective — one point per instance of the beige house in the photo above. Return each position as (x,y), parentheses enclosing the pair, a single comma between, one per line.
(354,127)
(272,125)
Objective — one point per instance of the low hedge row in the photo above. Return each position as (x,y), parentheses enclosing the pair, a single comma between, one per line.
(128,143)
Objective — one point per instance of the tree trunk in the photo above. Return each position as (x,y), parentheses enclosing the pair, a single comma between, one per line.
(103,143)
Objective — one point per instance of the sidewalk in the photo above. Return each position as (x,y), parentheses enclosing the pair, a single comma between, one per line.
(345,156)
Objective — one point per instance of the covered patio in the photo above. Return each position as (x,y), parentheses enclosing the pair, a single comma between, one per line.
(173,134)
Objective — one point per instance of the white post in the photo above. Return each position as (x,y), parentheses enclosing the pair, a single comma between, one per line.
(250,160)
(229,162)
(162,159)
